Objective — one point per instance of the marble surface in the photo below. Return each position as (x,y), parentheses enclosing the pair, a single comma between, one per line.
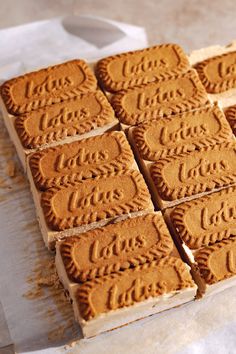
(192,24)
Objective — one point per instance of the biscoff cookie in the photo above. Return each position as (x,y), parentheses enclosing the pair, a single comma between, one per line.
(126,70)
(216,68)
(189,174)
(47,86)
(56,122)
(82,159)
(185,132)
(115,247)
(92,200)
(159,99)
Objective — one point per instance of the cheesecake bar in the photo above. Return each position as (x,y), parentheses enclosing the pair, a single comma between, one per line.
(130,69)
(135,286)
(204,230)
(159,99)
(86,158)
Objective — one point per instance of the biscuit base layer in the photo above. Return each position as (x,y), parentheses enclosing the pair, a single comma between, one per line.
(23,153)
(224,99)
(187,255)
(144,166)
(121,317)
(50,237)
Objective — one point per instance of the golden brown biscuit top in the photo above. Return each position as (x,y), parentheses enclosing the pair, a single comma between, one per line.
(95,199)
(47,86)
(186,132)
(115,247)
(125,70)
(204,221)
(159,99)
(217,262)
(78,115)
(128,287)
(81,159)
(218,74)
(196,172)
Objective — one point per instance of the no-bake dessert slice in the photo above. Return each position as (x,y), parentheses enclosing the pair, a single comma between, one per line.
(159,99)
(157,279)
(125,70)
(86,158)
(47,86)
(205,233)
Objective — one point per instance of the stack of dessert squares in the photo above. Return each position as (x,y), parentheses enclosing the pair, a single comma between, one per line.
(131,164)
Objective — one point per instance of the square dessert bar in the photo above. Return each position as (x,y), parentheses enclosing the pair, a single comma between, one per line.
(123,272)
(185,156)
(114,254)
(204,230)
(54,105)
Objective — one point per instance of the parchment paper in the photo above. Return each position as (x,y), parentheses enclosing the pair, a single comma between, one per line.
(39,318)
